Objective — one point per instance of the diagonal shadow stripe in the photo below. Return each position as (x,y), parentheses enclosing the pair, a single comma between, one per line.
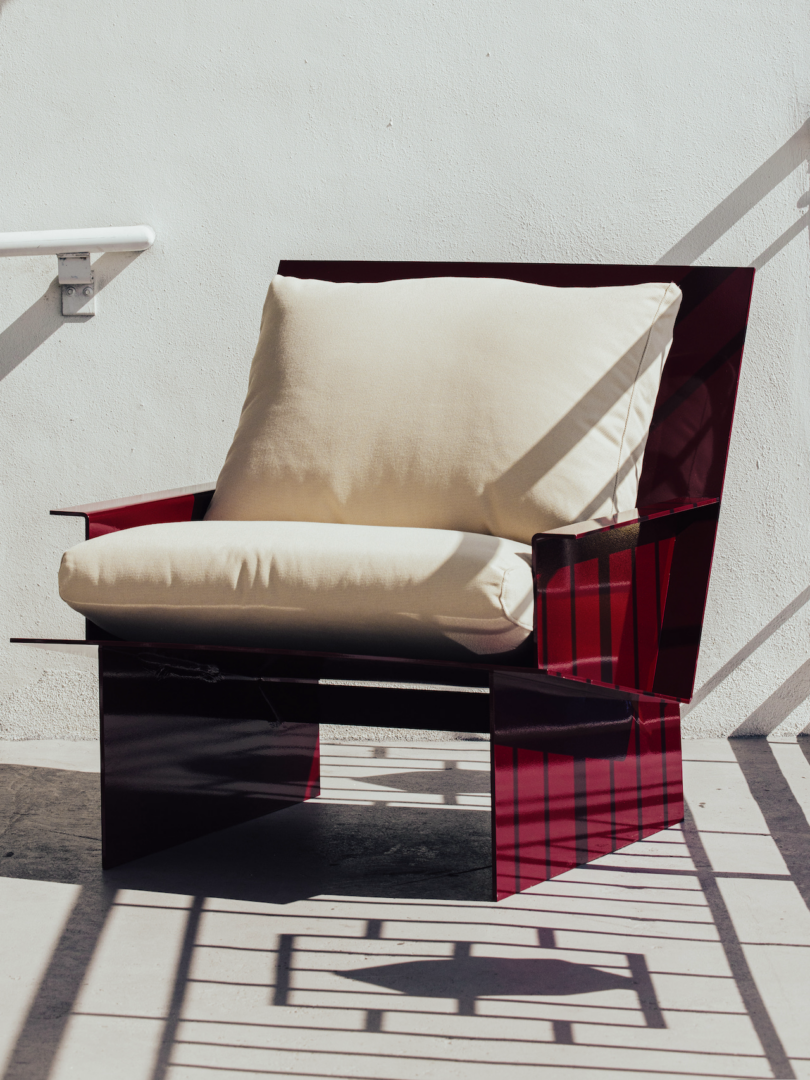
(44,1028)
(781,241)
(743,198)
(747,650)
(778,707)
(570,429)
(698,285)
(735,955)
(181,976)
(701,376)
(41,321)
(629,463)
(784,817)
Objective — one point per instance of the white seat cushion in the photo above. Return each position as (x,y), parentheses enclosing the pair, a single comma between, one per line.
(475,404)
(300,585)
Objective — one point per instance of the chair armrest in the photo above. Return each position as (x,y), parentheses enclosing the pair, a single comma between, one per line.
(179,504)
(620,600)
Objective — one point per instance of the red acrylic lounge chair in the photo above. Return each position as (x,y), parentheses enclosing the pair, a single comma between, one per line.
(585,739)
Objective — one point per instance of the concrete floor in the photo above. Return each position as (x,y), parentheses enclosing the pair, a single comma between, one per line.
(351,937)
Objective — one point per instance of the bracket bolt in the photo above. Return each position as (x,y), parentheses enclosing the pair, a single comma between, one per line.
(70,290)
(88,291)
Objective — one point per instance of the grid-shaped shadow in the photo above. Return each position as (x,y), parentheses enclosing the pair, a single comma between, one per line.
(631,965)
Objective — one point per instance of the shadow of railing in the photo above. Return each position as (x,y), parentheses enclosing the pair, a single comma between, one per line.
(44,317)
(52,1007)
(784,817)
(461,963)
(735,955)
(750,647)
(742,199)
(778,706)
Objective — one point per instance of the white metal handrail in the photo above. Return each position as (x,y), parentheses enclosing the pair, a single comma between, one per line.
(68,241)
(73,248)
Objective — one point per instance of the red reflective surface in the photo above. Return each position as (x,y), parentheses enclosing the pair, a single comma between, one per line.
(585,750)
(622,607)
(126,517)
(106,517)
(553,811)
(186,748)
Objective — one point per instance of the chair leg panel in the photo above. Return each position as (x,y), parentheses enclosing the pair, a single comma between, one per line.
(651,766)
(185,755)
(564,814)
(553,811)
(672,764)
(600,812)
(626,784)
(505,822)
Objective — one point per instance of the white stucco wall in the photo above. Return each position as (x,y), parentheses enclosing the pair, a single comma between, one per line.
(635,131)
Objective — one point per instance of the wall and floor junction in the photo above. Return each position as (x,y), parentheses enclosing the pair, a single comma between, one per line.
(632,132)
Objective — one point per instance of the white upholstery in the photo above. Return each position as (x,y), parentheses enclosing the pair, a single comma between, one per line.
(392,434)
(345,588)
(476,404)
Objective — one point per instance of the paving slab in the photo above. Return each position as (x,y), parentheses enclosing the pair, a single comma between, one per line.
(353,936)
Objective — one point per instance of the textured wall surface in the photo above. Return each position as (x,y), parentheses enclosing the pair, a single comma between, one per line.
(243,133)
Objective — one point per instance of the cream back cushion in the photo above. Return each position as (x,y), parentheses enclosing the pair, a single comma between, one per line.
(476,404)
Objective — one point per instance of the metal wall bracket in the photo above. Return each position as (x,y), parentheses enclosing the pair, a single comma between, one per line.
(77,284)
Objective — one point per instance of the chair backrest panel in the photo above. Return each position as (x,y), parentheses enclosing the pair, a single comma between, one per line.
(687,448)
(689,437)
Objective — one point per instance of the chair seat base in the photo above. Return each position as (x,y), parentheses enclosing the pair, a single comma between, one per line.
(194,740)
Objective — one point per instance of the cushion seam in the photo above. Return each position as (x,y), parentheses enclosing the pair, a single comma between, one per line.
(507,616)
(632,393)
